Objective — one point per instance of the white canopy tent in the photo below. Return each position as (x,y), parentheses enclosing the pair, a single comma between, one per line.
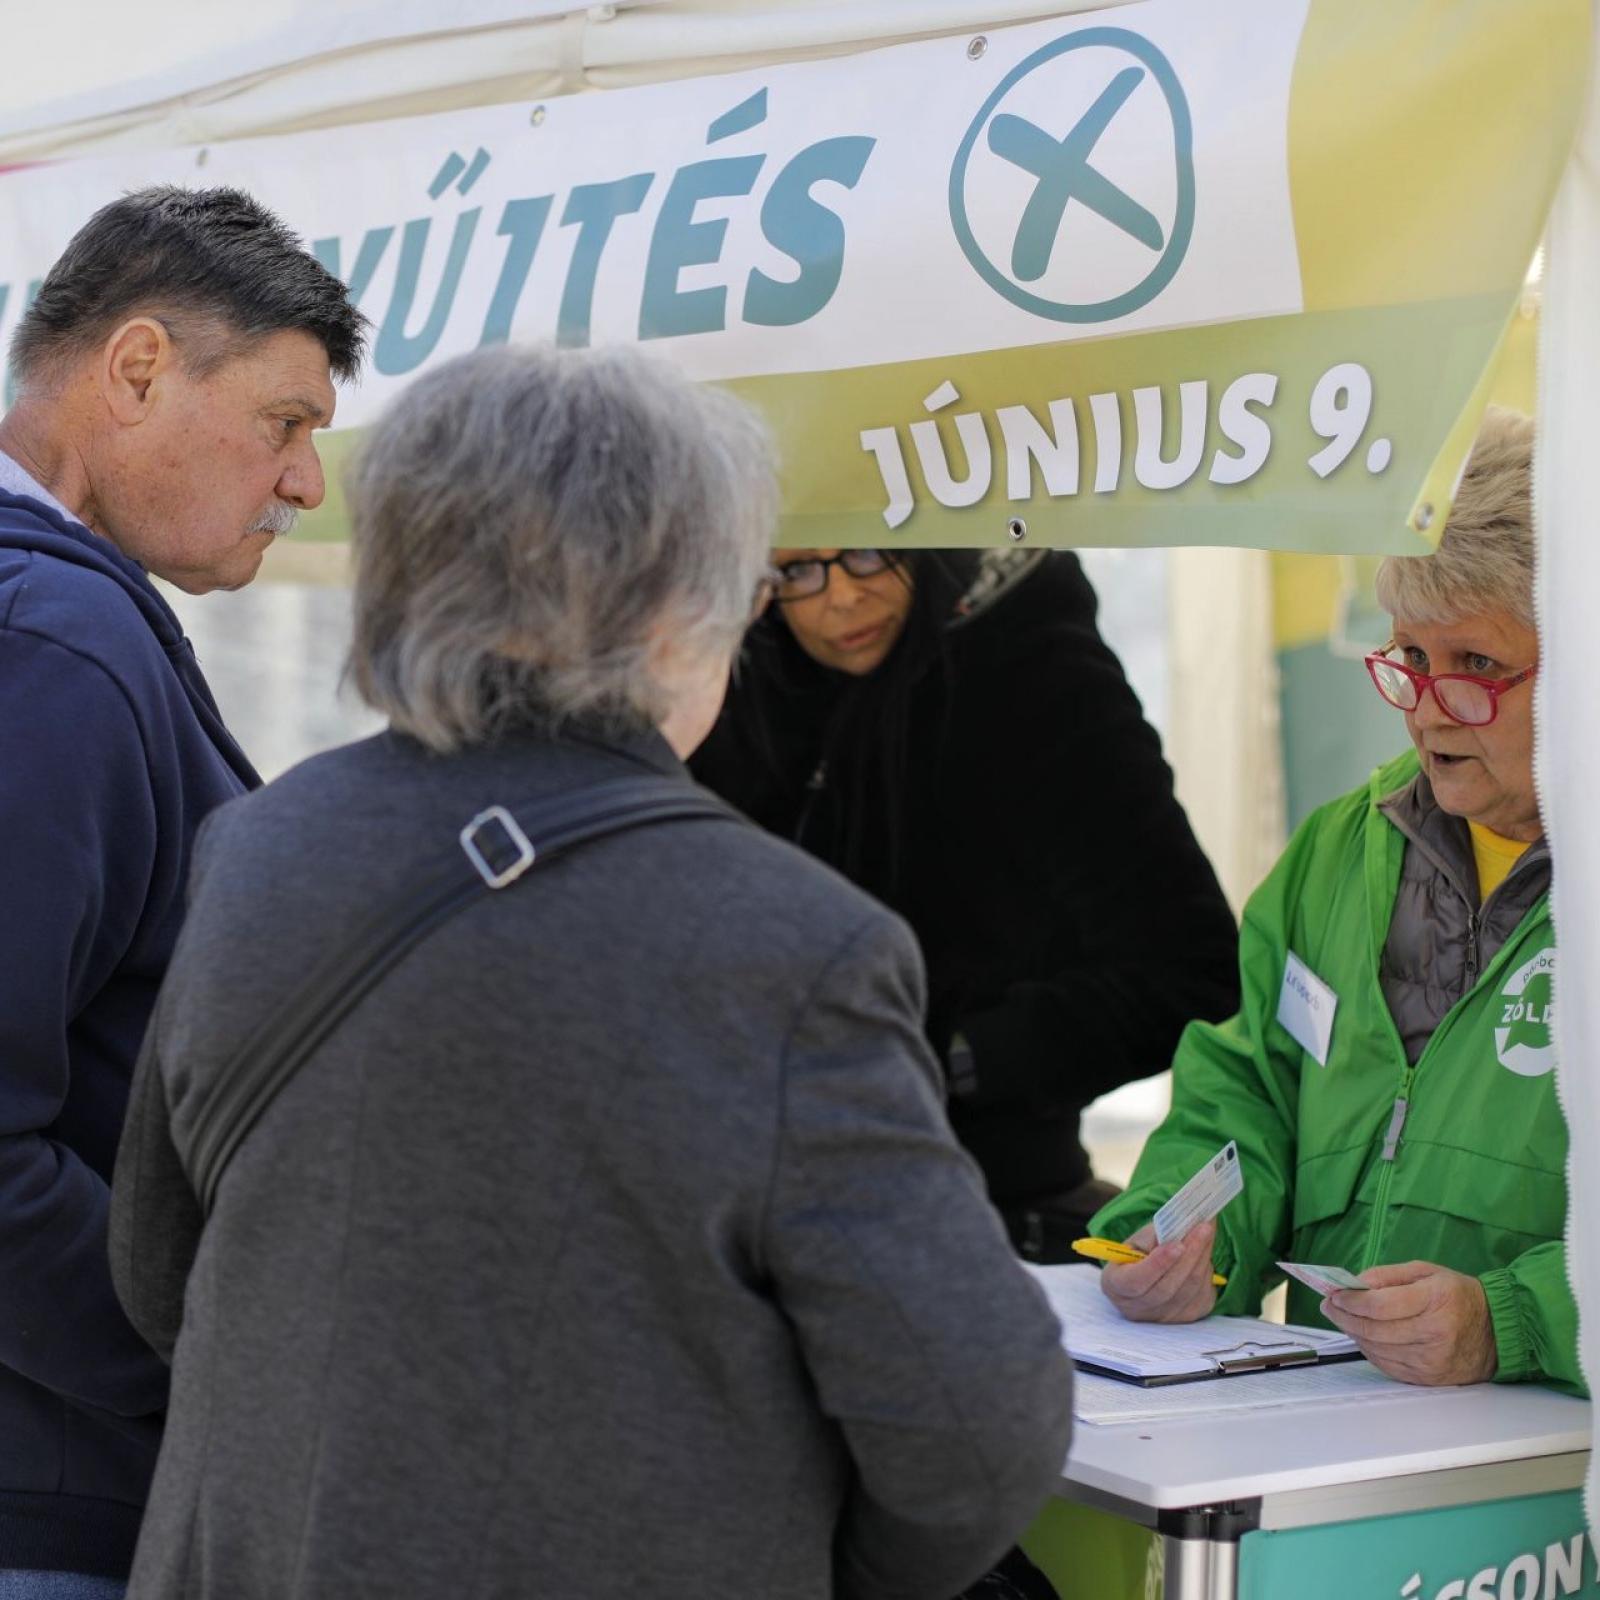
(325,65)
(307,64)
(1567,749)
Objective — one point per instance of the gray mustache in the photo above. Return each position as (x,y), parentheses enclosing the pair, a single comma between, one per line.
(278,519)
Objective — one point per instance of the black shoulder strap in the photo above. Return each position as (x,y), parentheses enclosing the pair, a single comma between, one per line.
(494,850)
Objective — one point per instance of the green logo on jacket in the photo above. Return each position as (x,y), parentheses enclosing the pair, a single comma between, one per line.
(1522,1036)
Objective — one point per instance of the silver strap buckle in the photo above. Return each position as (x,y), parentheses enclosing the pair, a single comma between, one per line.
(480,863)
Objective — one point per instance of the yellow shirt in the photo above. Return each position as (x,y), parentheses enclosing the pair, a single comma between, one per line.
(1495,856)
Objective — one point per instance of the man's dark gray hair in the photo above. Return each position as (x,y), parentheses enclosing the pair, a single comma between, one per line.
(214,266)
(531,525)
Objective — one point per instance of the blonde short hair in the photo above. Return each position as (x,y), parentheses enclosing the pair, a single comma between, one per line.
(1484,562)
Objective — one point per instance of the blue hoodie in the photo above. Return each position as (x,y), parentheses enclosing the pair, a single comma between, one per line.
(112,752)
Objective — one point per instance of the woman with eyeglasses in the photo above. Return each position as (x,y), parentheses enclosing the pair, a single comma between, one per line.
(1389,1078)
(949,730)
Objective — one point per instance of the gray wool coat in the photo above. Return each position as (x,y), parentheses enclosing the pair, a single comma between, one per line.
(615,1246)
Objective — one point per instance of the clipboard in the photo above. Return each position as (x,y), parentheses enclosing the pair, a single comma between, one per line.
(1149,1354)
(1229,1361)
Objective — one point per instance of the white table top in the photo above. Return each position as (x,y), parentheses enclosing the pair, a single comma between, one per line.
(1197,1461)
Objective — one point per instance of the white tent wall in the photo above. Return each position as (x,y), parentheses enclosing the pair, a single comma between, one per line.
(1223,738)
(329,64)
(1567,756)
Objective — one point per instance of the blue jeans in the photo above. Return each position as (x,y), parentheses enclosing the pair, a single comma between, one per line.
(58,1586)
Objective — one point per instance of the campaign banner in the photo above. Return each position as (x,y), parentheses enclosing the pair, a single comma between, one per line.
(1163,274)
(1533,1547)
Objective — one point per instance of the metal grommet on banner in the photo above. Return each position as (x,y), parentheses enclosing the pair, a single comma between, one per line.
(1018,529)
(976,48)
(1422,518)
(537,116)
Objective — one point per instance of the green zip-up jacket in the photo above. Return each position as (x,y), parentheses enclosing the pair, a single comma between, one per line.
(1458,1160)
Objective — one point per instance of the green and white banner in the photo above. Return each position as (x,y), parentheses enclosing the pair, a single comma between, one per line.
(1535,1547)
(1164,274)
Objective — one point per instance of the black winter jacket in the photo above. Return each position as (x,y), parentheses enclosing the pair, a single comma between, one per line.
(1070,923)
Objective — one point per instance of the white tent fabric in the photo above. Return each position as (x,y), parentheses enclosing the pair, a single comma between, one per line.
(363,60)
(1223,739)
(1568,752)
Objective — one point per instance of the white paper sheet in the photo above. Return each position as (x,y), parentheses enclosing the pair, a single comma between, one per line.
(1108,1401)
(1094,1330)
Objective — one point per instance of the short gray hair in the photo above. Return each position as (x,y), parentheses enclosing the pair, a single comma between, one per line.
(1485,557)
(527,521)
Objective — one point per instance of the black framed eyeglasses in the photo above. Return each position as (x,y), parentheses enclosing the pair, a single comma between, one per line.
(800,580)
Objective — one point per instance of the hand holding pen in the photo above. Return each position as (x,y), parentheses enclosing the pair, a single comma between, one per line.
(1172,1282)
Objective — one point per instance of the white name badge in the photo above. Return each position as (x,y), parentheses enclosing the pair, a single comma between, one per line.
(1306,1006)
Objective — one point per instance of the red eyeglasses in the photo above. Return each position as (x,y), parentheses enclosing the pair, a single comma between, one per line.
(1462,698)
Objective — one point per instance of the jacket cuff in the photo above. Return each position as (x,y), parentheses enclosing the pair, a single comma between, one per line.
(1512,1344)
(1240,1296)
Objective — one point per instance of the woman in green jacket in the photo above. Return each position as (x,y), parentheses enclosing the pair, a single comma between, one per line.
(1388,1077)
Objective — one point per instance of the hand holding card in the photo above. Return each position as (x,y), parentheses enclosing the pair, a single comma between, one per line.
(1324,1280)
(1173,1282)
(1203,1196)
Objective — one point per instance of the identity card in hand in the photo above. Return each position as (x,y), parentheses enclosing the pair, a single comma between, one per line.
(1323,1279)
(1203,1196)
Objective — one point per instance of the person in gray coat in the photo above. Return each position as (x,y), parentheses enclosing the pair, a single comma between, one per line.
(616,1243)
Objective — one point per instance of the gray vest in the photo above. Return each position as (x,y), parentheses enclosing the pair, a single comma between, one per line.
(1440,937)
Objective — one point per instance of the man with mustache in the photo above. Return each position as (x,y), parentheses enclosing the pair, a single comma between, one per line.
(169,375)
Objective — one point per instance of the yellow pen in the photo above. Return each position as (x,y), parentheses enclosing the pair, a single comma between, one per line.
(1110,1250)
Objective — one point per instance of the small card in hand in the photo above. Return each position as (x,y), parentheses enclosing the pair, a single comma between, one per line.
(1323,1279)
(1202,1197)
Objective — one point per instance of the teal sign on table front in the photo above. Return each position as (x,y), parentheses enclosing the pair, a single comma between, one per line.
(1533,1548)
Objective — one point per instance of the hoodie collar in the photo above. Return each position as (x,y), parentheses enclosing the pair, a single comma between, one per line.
(38,522)
(16,480)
